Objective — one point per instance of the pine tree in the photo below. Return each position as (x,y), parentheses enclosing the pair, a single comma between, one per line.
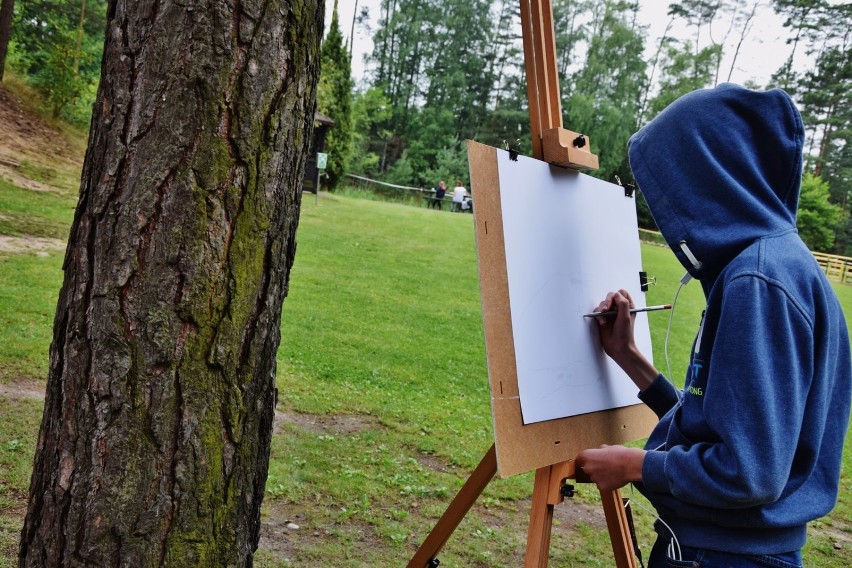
(335,101)
(824,98)
(155,438)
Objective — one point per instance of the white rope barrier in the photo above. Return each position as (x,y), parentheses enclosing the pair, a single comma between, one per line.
(385,183)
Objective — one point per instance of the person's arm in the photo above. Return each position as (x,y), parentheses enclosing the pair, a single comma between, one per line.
(617,339)
(749,413)
(611,467)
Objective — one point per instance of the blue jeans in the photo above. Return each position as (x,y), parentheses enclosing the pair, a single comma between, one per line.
(703,558)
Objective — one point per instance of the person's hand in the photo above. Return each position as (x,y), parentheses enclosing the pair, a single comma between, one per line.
(616,332)
(617,339)
(611,467)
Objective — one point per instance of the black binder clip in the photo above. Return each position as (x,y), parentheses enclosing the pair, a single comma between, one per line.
(628,189)
(513,152)
(645,280)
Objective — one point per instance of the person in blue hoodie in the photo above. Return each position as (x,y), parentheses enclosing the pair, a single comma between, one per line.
(750,451)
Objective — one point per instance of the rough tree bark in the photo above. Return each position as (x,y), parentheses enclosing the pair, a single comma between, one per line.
(154,444)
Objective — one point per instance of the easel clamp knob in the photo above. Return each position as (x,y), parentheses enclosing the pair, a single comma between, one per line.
(568,149)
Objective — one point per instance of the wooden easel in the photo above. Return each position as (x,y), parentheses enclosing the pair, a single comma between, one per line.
(558,146)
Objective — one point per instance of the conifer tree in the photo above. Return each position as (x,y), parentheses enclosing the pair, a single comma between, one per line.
(7,8)
(155,439)
(335,101)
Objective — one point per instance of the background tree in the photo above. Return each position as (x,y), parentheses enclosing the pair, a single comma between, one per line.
(817,217)
(682,71)
(803,18)
(370,109)
(742,23)
(607,90)
(57,45)
(7,10)
(154,443)
(335,100)
(443,85)
(506,119)
(406,29)
(457,79)
(823,94)
(826,100)
(436,61)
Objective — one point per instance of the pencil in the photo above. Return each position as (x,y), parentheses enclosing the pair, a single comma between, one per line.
(632,311)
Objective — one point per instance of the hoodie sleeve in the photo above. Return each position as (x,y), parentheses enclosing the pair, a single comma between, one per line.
(661,396)
(735,448)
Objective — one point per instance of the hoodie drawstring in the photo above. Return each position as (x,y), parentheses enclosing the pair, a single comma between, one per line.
(691,257)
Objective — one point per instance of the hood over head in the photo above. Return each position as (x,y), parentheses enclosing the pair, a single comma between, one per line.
(719,169)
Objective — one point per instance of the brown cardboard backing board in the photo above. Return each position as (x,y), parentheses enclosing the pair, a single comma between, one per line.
(522,447)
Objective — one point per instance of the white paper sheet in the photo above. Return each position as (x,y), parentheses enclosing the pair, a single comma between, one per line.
(569,239)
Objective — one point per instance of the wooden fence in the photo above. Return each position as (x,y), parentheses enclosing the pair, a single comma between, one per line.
(838,268)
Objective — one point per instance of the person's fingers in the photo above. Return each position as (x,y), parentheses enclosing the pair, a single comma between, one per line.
(621,302)
(606,304)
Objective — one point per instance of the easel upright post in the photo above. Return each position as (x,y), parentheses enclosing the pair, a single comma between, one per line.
(540,64)
(550,141)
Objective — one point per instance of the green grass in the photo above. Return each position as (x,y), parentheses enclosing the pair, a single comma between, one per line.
(381,312)
(18,432)
(30,283)
(29,287)
(35,213)
(383,397)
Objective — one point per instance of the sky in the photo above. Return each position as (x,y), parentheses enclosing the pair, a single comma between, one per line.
(763,52)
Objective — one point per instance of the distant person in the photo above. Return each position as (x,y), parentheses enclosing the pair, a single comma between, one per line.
(438,197)
(461,199)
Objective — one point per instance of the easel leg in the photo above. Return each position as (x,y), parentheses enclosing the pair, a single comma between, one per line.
(454,514)
(619,530)
(541,520)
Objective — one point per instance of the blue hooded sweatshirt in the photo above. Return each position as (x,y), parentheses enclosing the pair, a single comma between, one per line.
(750,451)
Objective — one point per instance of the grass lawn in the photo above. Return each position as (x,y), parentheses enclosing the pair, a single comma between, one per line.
(383,396)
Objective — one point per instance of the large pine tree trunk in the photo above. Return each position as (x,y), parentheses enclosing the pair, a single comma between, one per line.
(154,444)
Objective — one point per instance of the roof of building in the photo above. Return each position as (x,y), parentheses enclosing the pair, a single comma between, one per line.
(323,119)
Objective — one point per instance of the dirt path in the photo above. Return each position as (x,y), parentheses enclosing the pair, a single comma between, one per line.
(40,245)
(22,389)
